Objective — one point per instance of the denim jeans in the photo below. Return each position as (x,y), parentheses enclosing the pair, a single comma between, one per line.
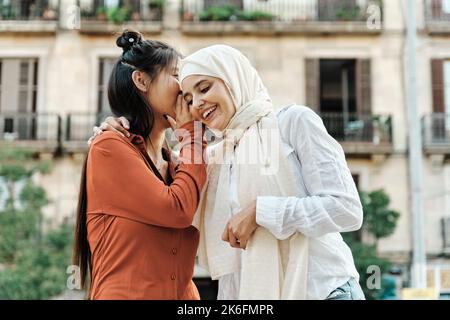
(351,290)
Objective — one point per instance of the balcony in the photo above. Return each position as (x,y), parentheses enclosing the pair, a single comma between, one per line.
(213,17)
(38,16)
(436,134)
(100,17)
(360,135)
(78,130)
(437,17)
(37,131)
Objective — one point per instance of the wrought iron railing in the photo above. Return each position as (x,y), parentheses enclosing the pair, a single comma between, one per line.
(29,10)
(436,129)
(122,10)
(78,126)
(30,126)
(281,10)
(354,127)
(437,11)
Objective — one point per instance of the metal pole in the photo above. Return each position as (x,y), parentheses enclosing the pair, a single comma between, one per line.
(418,271)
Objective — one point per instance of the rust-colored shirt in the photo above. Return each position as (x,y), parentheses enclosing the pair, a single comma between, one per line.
(139,228)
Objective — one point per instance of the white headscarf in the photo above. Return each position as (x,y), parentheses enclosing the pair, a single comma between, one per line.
(269,268)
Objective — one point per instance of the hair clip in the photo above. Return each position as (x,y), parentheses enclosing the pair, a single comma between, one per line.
(131,40)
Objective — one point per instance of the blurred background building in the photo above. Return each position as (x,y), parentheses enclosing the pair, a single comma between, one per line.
(344,59)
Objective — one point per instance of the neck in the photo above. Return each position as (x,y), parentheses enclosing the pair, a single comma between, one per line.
(156,140)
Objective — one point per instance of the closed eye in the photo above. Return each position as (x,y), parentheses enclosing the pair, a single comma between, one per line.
(204,90)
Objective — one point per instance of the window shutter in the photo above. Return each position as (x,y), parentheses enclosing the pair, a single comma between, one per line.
(436,8)
(363,87)
(437,82)
(106,66)
(20,82)
(10,84)
(312,80)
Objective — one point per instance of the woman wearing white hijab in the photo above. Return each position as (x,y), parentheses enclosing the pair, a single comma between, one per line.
(285,209)
(300,193)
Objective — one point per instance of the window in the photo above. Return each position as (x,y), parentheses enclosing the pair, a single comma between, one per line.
(447,88)
(340,90)
(337,86)
(18,77)
(105,67)
(446,6)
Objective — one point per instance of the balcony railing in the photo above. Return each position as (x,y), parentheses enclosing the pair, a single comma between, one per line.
(360,133)
(37,130)
(78,129)
(29,16)
(436,133)
(437,16)
(288,16)
(104,17)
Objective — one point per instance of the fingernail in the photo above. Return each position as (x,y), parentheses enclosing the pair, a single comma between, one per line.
(128,134)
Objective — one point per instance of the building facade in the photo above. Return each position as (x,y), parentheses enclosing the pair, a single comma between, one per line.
(344,59)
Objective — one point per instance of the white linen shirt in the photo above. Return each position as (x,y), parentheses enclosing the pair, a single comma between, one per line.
(332,205)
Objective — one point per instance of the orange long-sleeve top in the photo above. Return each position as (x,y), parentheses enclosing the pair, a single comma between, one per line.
(139,227)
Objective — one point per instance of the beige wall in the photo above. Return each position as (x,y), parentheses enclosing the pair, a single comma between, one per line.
(68,77)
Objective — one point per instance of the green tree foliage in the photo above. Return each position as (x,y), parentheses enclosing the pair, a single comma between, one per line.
(32,264)
(379,222)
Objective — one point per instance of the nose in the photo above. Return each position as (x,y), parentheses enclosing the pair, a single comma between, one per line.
(197,103)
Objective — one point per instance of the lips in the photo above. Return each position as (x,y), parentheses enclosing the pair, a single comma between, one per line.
(207,113)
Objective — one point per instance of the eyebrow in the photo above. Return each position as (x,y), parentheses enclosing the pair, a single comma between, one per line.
(195,86)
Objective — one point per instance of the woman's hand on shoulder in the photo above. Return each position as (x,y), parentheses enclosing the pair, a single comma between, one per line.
(120,125)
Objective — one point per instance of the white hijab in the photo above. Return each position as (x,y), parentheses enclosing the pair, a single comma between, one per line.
(269,268)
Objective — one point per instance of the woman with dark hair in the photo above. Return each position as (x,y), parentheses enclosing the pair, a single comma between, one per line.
(278,186)
(133,238)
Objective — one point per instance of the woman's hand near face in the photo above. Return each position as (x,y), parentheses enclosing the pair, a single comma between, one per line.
(120,125)
(182,114)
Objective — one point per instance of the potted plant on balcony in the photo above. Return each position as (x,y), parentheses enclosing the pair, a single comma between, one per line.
(381,129)
(188,16)
(347,12)
(49,14)
(118,15)
(7,12)
(156,9)
(101,13)
(255,16)
(223,13)
(136,16)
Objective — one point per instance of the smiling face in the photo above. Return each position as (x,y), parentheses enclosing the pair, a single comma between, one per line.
(209,100)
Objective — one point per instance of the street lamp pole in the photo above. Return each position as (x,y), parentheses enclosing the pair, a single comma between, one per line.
(418,272)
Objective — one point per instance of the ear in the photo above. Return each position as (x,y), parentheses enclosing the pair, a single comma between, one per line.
(140,80)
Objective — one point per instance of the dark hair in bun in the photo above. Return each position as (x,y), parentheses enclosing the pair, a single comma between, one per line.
(128,39)
(125,99)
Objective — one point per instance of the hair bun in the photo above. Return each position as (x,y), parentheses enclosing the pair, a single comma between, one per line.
(128,39)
